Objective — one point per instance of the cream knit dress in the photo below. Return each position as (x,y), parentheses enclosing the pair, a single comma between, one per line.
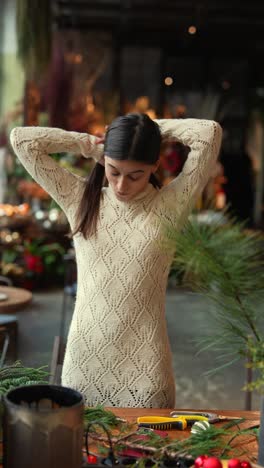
(118,352)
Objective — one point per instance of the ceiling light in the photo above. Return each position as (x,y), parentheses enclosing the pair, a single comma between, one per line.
(192,29)
(168,81)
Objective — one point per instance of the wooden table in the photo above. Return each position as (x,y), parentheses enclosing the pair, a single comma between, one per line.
(252,418)
(17,298)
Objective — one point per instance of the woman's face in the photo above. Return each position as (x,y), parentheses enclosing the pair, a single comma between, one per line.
(128,178)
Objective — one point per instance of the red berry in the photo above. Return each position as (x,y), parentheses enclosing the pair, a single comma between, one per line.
(212,462)
(92,459)
(234,463)
(200,461)
(245,464)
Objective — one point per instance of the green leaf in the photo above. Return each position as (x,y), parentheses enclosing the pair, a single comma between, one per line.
(49,259)
(9,256)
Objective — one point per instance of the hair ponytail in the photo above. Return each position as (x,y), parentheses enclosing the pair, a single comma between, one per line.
(155,181)
(88,211)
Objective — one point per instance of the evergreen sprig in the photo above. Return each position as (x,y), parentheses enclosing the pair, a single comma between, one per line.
(99,413)
(215,441)
(225,263)
(17,375)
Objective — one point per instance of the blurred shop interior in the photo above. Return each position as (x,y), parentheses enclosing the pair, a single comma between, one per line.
(85,62)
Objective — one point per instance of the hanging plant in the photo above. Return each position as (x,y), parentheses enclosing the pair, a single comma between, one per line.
(34,35)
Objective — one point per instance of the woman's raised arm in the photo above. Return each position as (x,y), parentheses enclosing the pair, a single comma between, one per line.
(204,139)
(33,145)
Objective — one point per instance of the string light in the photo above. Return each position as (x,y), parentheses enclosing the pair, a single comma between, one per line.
(168,81)
(192,29)
(89,103)
(53,214)
(39,214)
(47,224)
(90,107)
(78,58)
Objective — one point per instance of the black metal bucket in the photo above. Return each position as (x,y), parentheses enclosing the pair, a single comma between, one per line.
(43,427)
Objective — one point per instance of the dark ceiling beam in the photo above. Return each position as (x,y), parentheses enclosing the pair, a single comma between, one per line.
(165,18)
(223,26)
(228,10)
(162,21)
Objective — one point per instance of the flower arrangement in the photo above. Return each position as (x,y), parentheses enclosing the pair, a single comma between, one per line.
(33,263)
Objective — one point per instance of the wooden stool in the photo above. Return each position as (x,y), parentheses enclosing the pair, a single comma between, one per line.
(8,338)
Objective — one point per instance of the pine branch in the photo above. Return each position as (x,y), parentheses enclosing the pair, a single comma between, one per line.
(17,375)
(211,441)
(226,265)
(99,413)
(239,301)
(131,445)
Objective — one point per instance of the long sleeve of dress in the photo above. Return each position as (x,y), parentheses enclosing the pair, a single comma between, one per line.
(204,139)
(33,145)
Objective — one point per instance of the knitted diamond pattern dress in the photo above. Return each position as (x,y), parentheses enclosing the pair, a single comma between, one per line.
(118,352)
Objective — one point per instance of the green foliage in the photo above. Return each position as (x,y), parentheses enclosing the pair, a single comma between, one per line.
(37,247)
(34,36)
(17,375)
(34,259)
(226,264)
(9,256)
(215,441)
(98,413)
(50,254)
(256,353)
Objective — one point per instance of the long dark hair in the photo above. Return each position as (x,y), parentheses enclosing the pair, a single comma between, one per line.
(131,137)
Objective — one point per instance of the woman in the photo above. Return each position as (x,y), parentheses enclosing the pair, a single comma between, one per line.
(118,351)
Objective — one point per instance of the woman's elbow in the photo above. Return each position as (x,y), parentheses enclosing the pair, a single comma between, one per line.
(19,135)
(14,137)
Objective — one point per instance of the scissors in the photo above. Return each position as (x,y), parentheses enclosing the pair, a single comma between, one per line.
(210,417)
